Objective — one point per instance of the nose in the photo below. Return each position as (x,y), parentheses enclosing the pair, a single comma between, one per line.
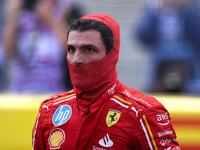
(77,58)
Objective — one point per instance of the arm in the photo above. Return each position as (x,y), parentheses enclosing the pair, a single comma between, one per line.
(44,10)
(10,29)
(155,131)
(38,142)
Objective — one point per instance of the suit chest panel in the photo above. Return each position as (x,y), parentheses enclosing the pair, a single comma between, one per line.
(62,127)
(113,131)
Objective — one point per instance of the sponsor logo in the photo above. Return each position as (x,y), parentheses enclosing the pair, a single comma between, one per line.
(165,141)
(141,100)
(175,148)
(111,90)
(112,117)
(106,142)
(46,106)
(62,115)
(97,148)
(163,119)
(165,133)
(56,138)
(127,93)
(136,111)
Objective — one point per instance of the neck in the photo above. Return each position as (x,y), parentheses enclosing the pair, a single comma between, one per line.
(92,95)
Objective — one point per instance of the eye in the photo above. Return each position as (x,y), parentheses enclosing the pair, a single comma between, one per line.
(90,50)
(70,49)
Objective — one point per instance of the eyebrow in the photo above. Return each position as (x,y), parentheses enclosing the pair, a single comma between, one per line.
(83,46)
(68,45)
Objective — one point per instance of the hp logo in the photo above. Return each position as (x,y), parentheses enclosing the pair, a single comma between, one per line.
(62,115)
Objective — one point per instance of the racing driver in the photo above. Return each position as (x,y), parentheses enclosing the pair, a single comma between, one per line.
(100,113)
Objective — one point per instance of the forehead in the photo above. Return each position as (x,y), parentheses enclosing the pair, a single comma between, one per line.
(89,36)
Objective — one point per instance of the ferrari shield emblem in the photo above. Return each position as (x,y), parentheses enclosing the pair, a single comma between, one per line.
(112,117)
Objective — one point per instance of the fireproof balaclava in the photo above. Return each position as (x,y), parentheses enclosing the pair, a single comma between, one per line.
(95,77)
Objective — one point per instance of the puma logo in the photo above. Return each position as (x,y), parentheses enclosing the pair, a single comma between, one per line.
(133,108)
(46,106)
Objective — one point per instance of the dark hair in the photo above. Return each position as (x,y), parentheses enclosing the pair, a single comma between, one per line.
(29,4)
(88,24)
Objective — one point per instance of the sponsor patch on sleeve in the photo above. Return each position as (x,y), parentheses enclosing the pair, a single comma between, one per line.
(163,119)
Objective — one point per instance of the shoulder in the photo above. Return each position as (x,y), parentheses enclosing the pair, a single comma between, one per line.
(141,106)
(58,99)
(137,98)
(136,102)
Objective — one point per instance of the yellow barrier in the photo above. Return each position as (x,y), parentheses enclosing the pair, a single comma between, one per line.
(18,114)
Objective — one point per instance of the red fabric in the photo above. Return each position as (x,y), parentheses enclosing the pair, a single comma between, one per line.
(130,132)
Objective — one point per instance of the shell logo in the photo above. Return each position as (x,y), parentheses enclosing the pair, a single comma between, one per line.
(56,138)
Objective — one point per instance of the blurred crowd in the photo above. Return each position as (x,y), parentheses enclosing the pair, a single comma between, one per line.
(32,48)
(170,31)
(32,45)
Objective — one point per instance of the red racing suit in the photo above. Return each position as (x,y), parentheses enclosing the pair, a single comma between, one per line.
(100,113)
(121,119)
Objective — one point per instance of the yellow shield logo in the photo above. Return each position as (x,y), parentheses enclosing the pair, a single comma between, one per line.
(112,117)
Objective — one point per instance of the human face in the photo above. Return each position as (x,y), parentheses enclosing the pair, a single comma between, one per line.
(84,47)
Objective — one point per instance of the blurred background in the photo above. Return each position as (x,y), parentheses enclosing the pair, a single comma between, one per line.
(159,55)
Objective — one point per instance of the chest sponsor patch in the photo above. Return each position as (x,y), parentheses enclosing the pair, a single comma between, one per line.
(106,141)
(62,115)
(97,148)
(112,117)
(56,138)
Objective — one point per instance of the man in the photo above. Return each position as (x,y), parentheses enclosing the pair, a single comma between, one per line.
(100,113)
